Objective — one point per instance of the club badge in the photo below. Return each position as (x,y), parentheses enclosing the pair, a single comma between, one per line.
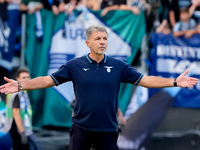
(108,68)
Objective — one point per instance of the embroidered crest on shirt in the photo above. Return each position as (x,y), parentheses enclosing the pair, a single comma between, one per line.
(108,68)
(86,69)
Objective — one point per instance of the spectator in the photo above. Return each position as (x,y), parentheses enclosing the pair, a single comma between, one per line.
(3,10)
(160,10)
(195,11)
(142,5)
(33,7)
(156,9)
(14,4)
(4,28)
(134,5)
(164,27)
(93,4)
(69,6)
(108,5)
(63,6)
(18,117)
(52,5)
(186,26)
(174,12)
(165,10)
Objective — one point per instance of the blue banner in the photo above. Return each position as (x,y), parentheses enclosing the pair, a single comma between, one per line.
(171,56)
(7,39)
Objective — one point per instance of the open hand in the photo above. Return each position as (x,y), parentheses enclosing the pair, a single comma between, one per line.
(10,87)
(184,81)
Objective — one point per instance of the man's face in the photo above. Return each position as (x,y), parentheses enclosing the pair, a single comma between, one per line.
(98,42)
(24,76)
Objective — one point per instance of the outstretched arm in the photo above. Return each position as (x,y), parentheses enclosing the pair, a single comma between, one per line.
(192,8)
(159,82)
(36,83)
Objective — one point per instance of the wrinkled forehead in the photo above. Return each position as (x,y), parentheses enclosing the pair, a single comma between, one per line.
(98,34)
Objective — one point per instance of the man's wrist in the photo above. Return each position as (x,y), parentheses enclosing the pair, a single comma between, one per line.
(19,86)
(175,83)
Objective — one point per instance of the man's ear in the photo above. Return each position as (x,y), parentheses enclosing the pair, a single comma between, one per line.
(87,43)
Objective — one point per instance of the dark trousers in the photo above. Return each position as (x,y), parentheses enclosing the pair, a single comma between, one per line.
(81,139)
(16,142)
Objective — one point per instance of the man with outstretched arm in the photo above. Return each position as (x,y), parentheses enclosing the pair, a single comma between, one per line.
(96,79)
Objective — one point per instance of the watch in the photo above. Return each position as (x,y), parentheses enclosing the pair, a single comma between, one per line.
(19,86)
(175,83)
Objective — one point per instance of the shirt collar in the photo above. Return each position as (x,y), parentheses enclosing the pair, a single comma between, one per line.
(104,60)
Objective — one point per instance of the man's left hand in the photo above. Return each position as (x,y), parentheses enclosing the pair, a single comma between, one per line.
(184,81)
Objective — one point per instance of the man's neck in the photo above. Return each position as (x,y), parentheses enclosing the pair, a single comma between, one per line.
(96,57)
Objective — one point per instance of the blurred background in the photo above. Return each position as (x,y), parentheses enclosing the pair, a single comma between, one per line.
(157,37)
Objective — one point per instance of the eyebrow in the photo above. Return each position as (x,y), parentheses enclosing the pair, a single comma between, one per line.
(100,37)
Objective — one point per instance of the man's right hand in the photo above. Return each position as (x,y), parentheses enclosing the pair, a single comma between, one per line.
(10,87)
(24,139)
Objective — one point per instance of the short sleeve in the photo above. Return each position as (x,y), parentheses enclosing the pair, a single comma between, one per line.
(62,75)
(16,103)
(130,75)
(193,24)
(177,27)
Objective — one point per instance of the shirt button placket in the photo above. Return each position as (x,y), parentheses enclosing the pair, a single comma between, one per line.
(97,66)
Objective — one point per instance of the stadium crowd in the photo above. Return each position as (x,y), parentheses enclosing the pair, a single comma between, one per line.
(163,16)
